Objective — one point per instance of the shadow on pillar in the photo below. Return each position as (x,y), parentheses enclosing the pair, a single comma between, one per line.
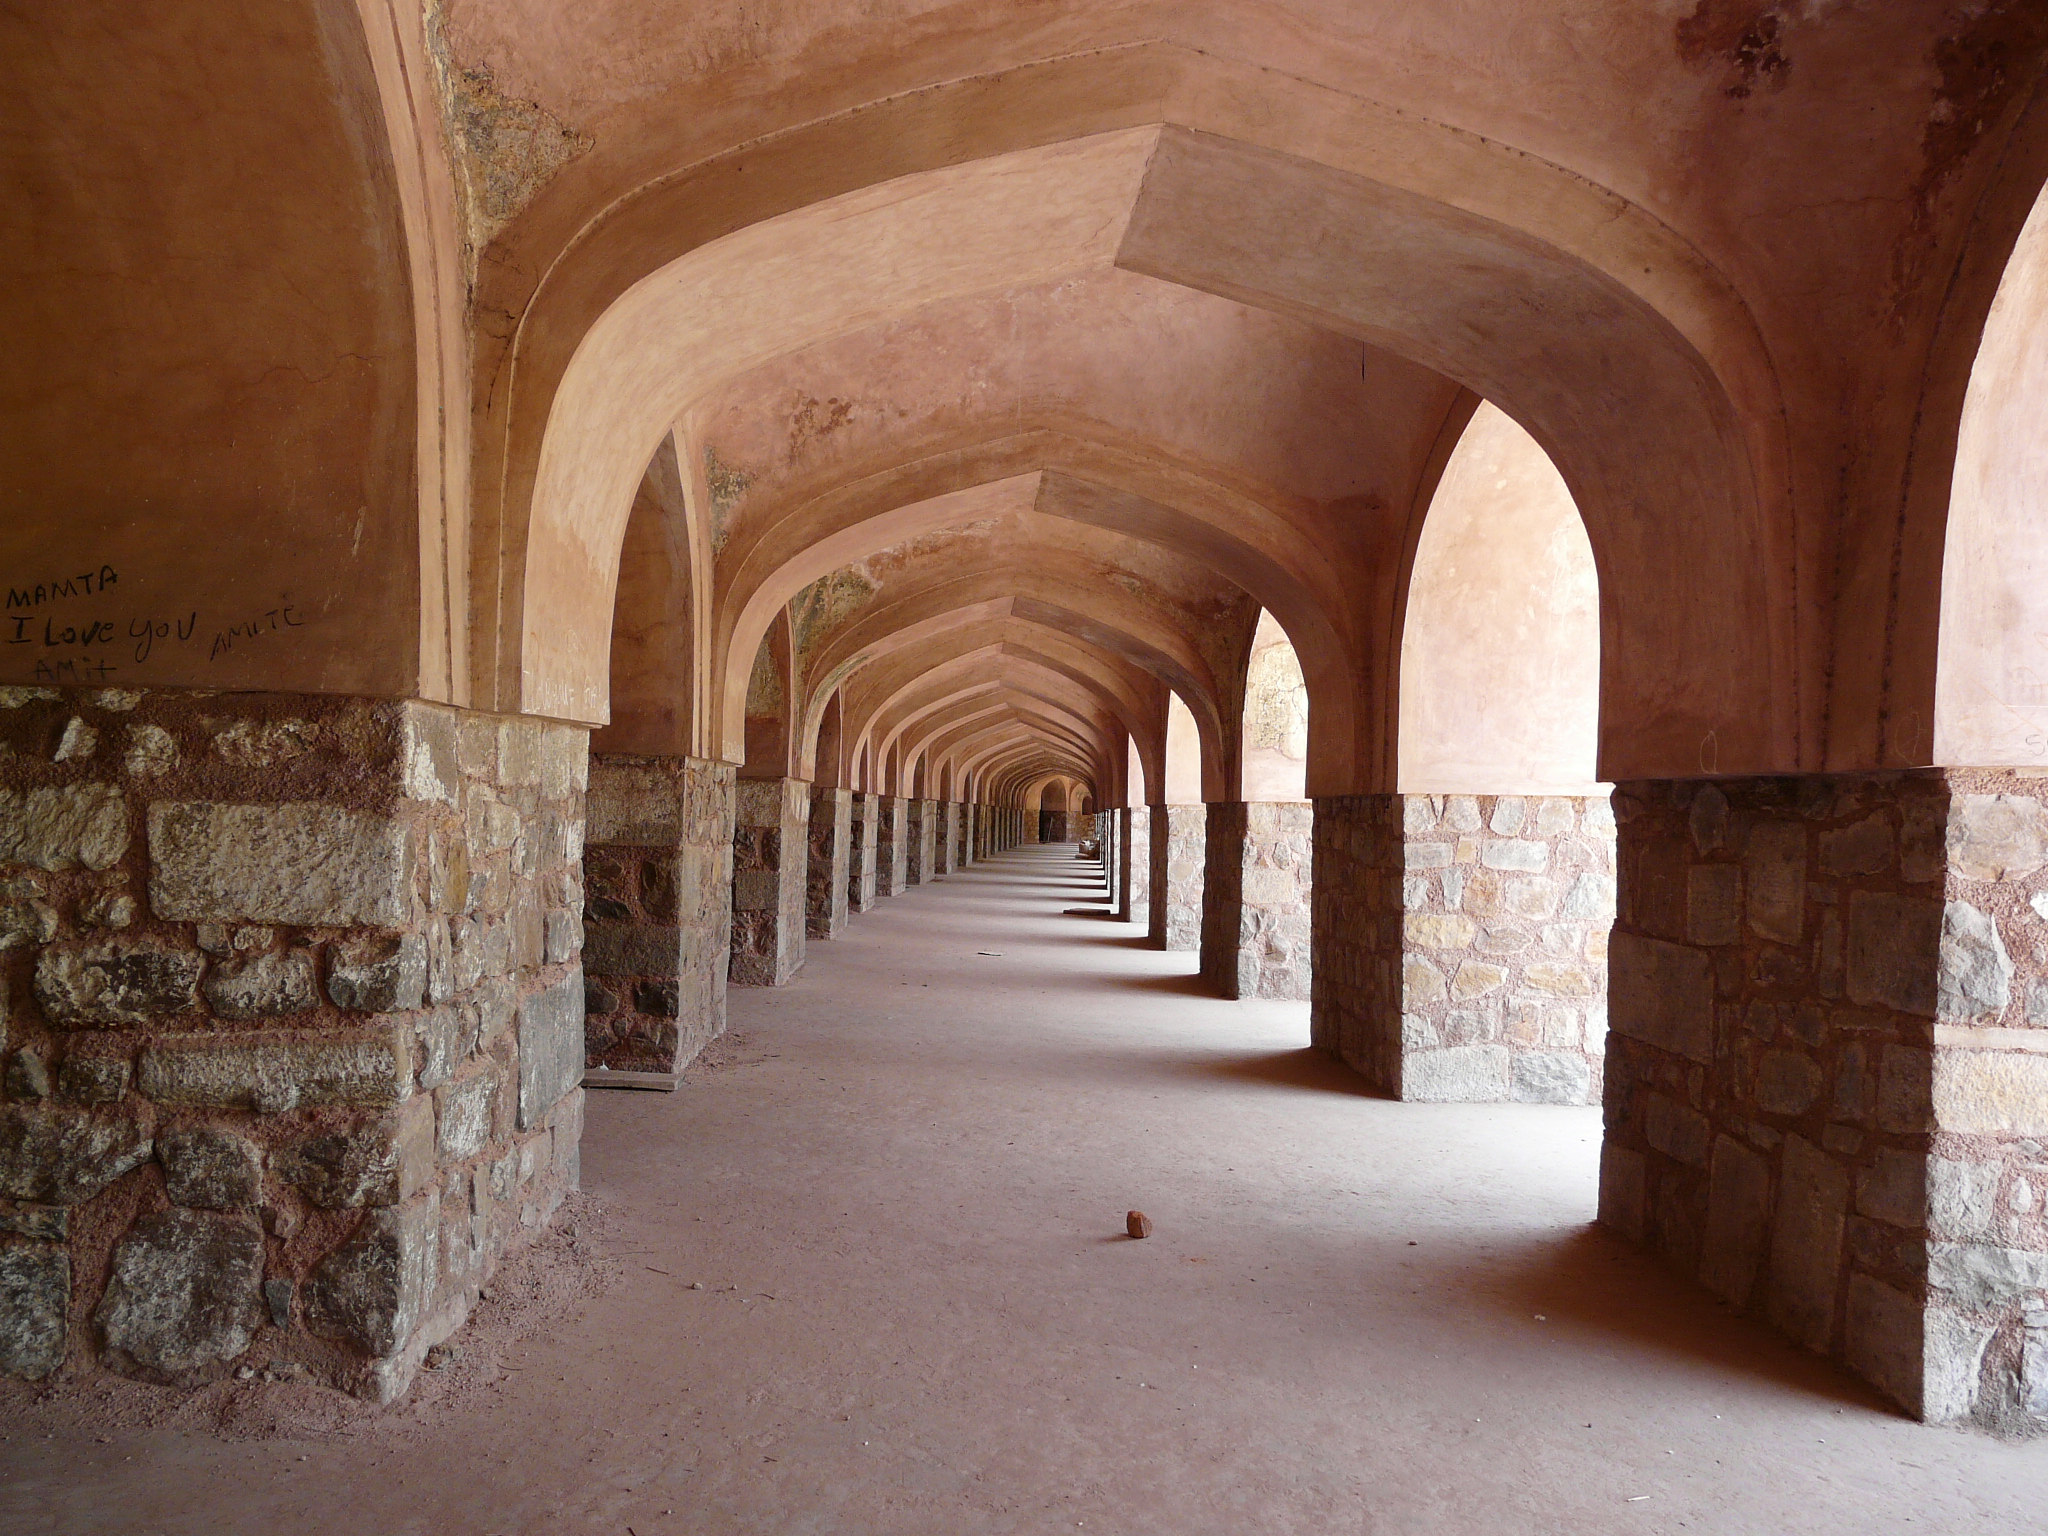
(657,867)
(831,862)
(770,880)
(1256,897)
(862,824)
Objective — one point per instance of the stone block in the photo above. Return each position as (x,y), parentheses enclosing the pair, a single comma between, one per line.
(186,1290)
(1623,1191)
(210,1168)
(1713,904)
(1534,897)
(1519,854)
(1864,848)
(1882,1340)
(1962,1198)
(1509,812)
(1990,1093)
(35,1296)
(302,863)
(1774,874)
(1974,980)
(73,827)
(1461,1074)
(633,949)
(1438,930)
(430,769)
(1554,979)
(44,1223)
(273,1074)
(264,986)
(1979,1277)
(1418,856)
(1787,1083)
(1994,837)
(564,761)
(116,983)
(1738,1221)
(1893,945)
(1421,982)
(1550,1077)
(1662,994)
(550,1048)
(464,1107)
(152,752)
(1676,1131)
(1461,813)
(66,1156)
(377,1287)
(1893,1189)
(92,1079)
(1591,898)
(27,920)
(1477,978)
(1953,1364)
(385,973)
(382,1162)
(1806,1243)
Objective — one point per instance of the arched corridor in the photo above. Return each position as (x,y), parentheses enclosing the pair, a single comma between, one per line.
(543,547)
(901,1189)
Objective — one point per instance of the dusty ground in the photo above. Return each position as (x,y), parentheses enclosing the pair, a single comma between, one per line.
(901,1183)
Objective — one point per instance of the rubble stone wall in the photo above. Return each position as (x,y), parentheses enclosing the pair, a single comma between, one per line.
(1507,901)
(293,1029)
(825,898)
(1179,836)
(1137,862)
(892,845)
(657,868)
(1256,899)
(1827,1082)
(770,880)
(862,825)
(1355,986)
(917,865)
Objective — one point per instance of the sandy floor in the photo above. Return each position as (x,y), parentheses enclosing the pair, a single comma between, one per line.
(901,1185)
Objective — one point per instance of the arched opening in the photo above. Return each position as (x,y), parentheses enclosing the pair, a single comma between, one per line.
(1507,882)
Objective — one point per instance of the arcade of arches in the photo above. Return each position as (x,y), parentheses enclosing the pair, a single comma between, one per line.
(1514,528)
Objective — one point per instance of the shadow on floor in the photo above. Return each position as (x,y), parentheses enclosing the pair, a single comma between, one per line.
(1587,1279)
(1188,985)
(1307,1068)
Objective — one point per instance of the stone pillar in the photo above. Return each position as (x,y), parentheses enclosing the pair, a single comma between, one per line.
(658,916)
(862,825)
(825,901)
(917,842)
(892,845)
(1827,1077)
(967,826)
(1137,865)
(1470,939)
(1256,896)
(770,880)
(1178,835)
(294,1031)
(948,837)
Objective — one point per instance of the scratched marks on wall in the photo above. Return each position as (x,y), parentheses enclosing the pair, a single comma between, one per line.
(69,646)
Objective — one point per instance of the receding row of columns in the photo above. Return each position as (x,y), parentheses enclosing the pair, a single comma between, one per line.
(733,877)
